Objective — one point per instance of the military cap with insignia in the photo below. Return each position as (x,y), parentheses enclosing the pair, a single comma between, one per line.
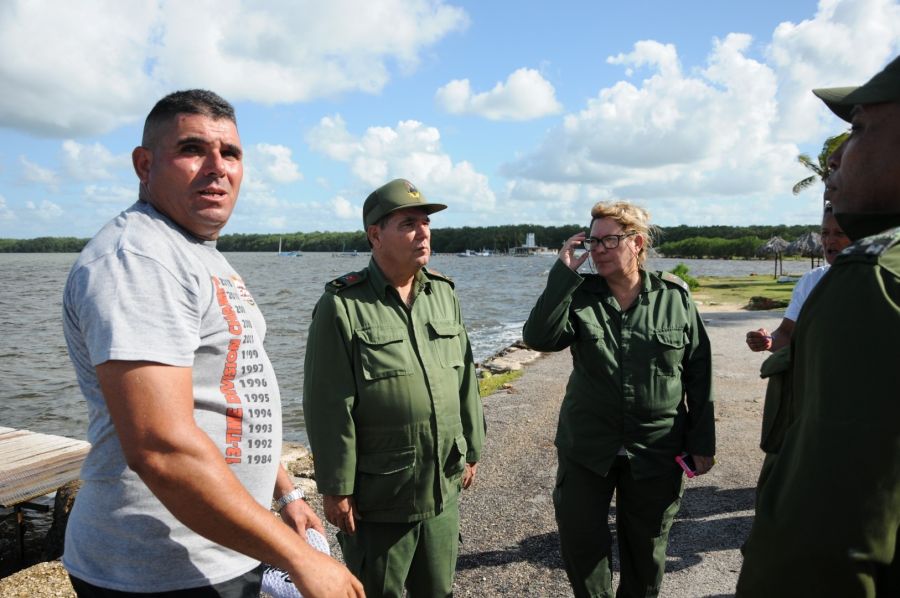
(396,195)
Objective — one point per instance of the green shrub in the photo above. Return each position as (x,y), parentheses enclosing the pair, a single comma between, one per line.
(681,271)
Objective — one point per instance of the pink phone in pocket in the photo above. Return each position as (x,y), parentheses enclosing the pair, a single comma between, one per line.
(686,462)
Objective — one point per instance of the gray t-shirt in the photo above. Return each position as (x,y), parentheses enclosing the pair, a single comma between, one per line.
(143,289)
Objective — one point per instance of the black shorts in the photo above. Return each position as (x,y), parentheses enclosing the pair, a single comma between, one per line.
(246,586)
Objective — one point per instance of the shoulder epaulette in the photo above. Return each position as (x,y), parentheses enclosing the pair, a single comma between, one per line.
(669,277)
(876,244)
(343,282)
(439,276)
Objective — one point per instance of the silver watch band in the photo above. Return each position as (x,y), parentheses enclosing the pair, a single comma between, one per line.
(295,494)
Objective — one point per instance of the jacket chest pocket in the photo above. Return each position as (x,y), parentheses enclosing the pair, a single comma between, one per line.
(386,479)
(668,345)
(445,342)
(383,353)
(592,345)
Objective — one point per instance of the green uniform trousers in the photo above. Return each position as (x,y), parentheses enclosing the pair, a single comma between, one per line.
(644,512)
(420,556)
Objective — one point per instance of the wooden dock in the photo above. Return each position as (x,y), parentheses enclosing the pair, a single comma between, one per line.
(33,464)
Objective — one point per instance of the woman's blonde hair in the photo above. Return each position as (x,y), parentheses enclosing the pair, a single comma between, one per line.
(631,218)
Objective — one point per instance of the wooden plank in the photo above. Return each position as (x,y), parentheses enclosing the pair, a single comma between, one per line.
(21,453)
(19,450)
(20,472)
(26,455)
(12,495)
(34,464)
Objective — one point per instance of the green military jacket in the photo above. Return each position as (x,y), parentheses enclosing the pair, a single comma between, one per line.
(777,406)
(390,395)
(828,516)
(641,379)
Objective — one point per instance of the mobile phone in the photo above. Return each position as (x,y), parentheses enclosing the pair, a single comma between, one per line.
(686,462)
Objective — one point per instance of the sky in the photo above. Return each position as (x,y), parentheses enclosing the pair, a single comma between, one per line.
(508,111)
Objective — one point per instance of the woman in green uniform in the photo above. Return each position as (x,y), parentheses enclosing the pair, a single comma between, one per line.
(640,394)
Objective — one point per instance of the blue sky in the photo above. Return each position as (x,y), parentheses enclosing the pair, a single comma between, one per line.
(507,111)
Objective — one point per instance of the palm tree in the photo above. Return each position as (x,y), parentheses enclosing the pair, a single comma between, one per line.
(820,167)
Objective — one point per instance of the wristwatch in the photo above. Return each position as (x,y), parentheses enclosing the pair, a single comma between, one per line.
(295,494)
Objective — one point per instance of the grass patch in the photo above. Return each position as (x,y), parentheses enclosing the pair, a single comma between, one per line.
(743,290)
(491,384)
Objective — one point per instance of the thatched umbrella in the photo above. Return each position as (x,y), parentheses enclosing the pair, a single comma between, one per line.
(775,246)
(809,244)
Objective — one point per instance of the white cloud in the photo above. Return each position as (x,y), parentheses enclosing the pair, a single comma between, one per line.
(256,188)
(672,132)
(276,222)
(279,165)
(330,137)
(537,201)
(72,68)
(345,210)
(410,150)
(114,195)
(258,195)
(6,214)
(673,135)
(63,79)
(289,51)
(526,95)
(92,162)
(845,43)
(46,210)
(34,173)
(723,135)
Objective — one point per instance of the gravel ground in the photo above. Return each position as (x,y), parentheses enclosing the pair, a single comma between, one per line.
(510,543)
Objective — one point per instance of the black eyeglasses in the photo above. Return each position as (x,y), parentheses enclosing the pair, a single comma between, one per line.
(609,241)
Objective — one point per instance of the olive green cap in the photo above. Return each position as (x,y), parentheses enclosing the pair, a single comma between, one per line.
(396,195)
(883,87)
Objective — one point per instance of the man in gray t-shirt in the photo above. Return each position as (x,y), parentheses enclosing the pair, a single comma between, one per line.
(185,413)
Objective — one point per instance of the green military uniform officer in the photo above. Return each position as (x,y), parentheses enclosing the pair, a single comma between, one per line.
(635,402)
(640,394)
(828,513)
(391,405)
(838,469)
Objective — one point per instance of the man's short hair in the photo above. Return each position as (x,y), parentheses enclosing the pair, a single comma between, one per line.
(191,101)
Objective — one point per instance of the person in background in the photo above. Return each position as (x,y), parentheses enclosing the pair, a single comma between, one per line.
(640,395)
(776,369)
(167,344)
(828,516)
(834,240)
(391,403)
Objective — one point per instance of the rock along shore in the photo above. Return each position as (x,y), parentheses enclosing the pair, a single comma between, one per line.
(510,544)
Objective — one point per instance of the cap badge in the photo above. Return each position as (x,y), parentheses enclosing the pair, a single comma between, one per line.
(411,189)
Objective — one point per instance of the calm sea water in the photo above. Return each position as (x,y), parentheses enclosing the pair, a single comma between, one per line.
(40,392)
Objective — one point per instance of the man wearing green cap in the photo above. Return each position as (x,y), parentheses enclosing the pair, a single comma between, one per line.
(391,404)
(828,516)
